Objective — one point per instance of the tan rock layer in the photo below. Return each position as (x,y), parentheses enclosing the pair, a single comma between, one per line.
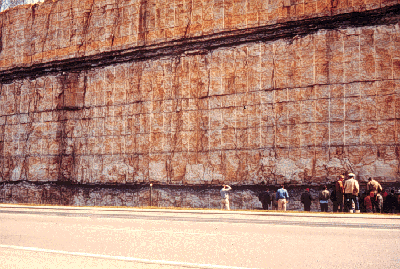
(301,110)
(59,30)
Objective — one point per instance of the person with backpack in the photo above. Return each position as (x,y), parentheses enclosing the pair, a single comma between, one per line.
(324,199)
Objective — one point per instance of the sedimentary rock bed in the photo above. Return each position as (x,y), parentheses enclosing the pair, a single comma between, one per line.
(199,92)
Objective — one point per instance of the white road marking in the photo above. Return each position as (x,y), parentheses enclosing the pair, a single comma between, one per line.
(121,258)
(152,231)
(207,234)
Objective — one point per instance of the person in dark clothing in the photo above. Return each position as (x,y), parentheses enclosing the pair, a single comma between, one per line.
(306,200)
(362,204)
(334,200)
(397,195)
(390,205)
(274,201)
(339,190)
(265,199)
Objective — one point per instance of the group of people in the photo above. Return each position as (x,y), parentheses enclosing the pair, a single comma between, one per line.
(279,202)
(323,197)
(345,197)
(278,199)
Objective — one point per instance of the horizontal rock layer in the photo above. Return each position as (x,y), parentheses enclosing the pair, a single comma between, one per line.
(136,197)
(300,101)
(143,196)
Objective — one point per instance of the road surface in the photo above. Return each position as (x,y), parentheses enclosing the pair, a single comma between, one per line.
(73,237)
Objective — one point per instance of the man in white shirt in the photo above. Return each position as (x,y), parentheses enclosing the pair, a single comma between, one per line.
(351,189)
(225,196)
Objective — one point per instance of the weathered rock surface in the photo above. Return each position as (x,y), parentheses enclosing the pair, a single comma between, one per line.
(103,196)
(64,29)
(6,4)
(120,93)
(265,111)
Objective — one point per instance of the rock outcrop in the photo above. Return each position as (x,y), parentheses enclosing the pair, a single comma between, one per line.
(199,93)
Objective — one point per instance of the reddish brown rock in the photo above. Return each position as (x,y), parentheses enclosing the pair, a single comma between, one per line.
(188,109)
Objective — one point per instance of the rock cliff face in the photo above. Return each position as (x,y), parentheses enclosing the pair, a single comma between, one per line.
(199,93)
(6,4)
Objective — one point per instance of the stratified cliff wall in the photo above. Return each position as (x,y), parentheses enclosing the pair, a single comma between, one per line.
(199,93)
(69,29)
(6,4)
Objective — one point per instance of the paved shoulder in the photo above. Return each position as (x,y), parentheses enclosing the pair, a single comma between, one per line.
(246,217)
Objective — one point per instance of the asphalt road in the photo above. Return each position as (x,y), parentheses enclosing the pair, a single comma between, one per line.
(68,237)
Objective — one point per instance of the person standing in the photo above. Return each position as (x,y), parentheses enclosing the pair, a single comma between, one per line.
(225,196)
(391,203)
(306,199)
(378,203)
(282,197)
(339,190)
(384,194)
(274,201)
(323,199)
(361,199)
(351,189)
(334,200)
(374,186)
(265,199)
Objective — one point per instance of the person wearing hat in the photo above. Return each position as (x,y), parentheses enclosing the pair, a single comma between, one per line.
(225,196)
(351,189)
(306,199)
(339,192)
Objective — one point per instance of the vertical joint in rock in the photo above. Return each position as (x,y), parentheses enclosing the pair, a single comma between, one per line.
(189,19)
(142,22)
(1,36)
